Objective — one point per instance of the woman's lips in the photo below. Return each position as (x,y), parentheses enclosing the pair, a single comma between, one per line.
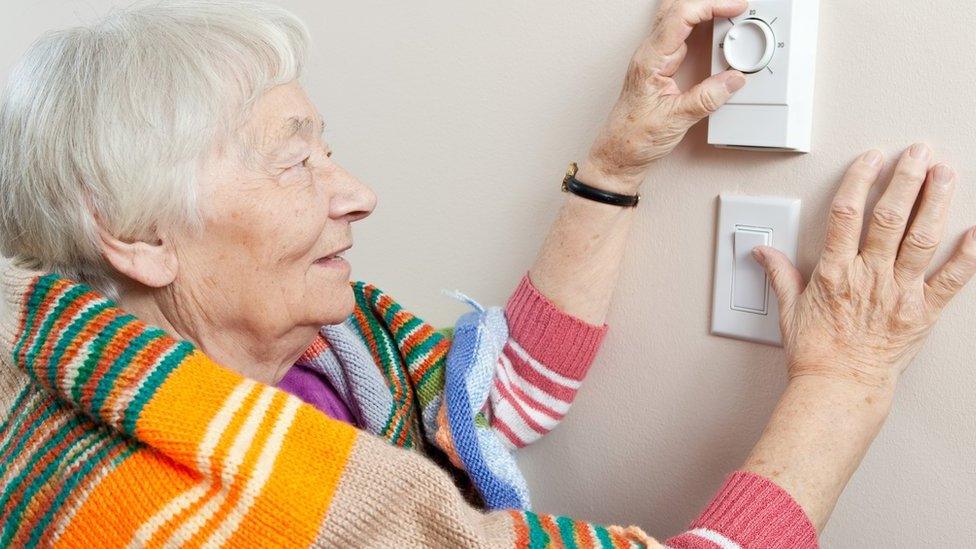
(333,262)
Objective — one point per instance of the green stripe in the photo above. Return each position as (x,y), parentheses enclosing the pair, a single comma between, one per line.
(538,538)
(86,370)
(392,372)
(21,418)
(567,531)
(25,436)
(604,536)
(428,387)
(415,356)
(153,382)
(71,482)
(17,515)
(67,336)
(125,359)
(11,488)
(406,328)
(42,287)
(10,412)
(42,333)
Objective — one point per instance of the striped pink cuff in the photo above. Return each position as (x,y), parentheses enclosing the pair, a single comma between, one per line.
(564,343)
(749,511)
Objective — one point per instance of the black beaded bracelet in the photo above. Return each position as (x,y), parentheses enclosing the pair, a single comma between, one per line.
(575,186)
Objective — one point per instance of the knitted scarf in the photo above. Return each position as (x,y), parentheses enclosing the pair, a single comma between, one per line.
(393,369)
(105,416)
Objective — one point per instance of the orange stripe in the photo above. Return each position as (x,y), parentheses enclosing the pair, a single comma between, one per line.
(584,535)
(122,501)
(137,369)
(53,294)
(113,350)
(94,326)
(245,472)
(193,392)
(551,528)
(217,460)
(435,355)
(318,346)
(308,467)
(42,499)
(521,529)
(19,433)
(29,475)
(31,288)
(59,324)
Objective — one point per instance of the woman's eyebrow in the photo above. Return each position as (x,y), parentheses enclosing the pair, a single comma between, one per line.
(300,125)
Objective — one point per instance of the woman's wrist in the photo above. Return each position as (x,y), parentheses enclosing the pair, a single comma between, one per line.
(595,174)
(816,437)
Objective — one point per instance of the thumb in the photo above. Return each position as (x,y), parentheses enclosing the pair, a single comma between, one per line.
(786,280)
(708,96)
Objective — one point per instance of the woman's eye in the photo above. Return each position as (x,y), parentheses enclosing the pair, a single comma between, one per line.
(303,163)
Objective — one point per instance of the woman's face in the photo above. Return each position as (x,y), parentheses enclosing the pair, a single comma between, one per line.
(273,212)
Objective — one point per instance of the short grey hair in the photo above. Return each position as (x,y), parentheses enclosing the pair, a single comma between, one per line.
(116,118)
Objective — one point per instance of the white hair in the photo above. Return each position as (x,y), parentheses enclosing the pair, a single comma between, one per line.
(115,120)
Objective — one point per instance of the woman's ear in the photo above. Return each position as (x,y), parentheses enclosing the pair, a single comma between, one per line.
(152,264)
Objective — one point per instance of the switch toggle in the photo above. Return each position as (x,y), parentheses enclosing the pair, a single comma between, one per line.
(743,304)
(750,288)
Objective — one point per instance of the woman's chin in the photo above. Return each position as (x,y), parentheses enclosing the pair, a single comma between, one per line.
(333,305)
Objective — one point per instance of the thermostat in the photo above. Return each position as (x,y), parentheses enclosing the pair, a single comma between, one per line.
(774,42)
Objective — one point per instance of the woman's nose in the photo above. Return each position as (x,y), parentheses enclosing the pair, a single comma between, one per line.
(354,200)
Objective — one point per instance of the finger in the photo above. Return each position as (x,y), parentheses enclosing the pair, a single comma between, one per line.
(708,96)
(672,62)
(846,215)
(926,232)
(954,274)
(890,216)
(677,18)
(784,278)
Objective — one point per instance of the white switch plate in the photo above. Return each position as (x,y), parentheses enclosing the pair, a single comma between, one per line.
(778,219)
(774,111)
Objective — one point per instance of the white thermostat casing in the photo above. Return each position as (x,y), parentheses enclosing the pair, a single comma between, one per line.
(774,42)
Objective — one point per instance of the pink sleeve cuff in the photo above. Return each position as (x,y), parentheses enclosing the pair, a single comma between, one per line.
(564,343)
(751,511)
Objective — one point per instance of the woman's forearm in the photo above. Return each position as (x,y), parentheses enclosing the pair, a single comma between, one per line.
(816,437)
(578,265)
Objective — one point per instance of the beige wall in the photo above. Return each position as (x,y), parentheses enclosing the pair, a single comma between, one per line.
(463,115)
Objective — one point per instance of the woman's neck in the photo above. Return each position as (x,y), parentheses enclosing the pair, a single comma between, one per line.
(259,352)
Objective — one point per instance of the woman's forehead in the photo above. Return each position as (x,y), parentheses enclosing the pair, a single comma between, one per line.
(284,113)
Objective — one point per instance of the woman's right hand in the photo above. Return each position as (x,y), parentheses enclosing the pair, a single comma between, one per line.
(868,307)
(858,323)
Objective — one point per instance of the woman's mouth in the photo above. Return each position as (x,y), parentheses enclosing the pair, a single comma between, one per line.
(333,261)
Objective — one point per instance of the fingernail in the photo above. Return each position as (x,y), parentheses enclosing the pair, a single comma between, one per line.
(872,158)
(920,151)
(757,255)
(943,174)
(735,82)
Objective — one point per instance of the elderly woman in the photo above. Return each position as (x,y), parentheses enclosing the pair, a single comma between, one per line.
(185,360)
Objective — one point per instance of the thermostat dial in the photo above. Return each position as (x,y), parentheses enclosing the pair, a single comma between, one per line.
(749,45)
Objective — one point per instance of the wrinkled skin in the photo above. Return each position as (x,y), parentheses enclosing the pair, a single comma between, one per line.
(868,308)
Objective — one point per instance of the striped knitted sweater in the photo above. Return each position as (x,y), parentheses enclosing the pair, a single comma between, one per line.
(115,434)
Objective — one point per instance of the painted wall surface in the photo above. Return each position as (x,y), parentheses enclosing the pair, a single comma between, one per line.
(463,115)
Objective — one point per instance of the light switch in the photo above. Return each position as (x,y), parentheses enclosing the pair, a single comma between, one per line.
(743,304)
(750,288)
(774,42)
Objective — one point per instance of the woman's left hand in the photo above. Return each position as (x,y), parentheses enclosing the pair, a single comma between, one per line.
(652,115)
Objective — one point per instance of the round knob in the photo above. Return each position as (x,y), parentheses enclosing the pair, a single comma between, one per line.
(749,45)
